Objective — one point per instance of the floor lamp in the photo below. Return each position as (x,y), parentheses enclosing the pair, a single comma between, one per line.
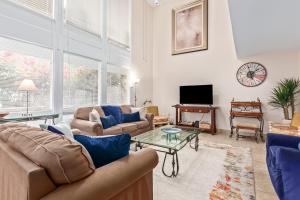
(135,87)
(28,86)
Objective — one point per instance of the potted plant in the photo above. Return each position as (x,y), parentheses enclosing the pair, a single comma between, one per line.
(284,96)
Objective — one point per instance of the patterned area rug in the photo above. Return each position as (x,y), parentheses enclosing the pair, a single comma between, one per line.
(215,172)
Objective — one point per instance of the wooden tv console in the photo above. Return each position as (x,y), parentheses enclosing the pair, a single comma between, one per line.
(197,109)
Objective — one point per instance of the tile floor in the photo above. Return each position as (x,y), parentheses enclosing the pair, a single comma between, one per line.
(263,187)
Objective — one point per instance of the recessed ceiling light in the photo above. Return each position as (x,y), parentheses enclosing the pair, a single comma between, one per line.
(153,3)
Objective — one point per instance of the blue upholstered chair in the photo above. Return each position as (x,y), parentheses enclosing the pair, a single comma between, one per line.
(283,160)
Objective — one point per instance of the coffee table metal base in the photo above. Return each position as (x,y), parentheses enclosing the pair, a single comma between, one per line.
(174,154)
(175,164)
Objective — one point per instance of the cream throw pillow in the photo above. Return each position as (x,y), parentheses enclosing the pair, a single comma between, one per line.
(141,110)
(62,127)
(94,116)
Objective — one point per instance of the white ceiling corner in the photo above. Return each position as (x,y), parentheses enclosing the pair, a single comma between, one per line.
(265,26)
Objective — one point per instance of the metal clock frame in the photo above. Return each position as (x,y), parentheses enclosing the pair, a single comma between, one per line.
(256,84)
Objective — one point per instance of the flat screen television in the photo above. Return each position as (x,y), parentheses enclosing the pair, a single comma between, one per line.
(196,94)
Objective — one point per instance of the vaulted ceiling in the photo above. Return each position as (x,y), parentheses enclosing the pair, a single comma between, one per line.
(265,26)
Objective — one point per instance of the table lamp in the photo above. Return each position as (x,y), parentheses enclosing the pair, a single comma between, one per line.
(28,86)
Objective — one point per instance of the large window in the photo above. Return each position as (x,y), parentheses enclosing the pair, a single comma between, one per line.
(119,21)
(81,82)
(117,85)
(64,60)
(84,14)
(44,7)
(19,61)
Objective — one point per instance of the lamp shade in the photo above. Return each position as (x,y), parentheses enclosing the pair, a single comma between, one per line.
(27,85)
(137,81)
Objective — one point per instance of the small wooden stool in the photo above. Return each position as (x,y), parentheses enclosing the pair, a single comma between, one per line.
(247,126)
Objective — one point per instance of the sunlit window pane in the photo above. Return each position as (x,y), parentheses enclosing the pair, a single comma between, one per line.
(117,86)
(19,61)
(80,82)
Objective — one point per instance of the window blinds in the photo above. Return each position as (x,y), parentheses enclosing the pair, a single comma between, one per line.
(84,14)
(119,21)
(44,7)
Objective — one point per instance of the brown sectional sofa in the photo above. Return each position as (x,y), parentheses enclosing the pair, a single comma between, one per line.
(22,179)
(81,122)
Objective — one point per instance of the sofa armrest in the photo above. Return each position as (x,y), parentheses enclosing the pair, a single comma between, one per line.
(288,163)
(282,140)
(150,118)
(87,127)
(109,180)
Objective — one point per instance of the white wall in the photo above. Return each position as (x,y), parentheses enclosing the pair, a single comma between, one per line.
(217,65)
(142,45)
(299,64)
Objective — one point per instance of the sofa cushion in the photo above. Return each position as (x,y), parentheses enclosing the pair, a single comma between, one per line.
(132,117)
(65,161)
(112,131)
(126,109)
(142,124)
(108,121)
(8,128)
(84,112)
(105,149)
(114,111)
(128,127)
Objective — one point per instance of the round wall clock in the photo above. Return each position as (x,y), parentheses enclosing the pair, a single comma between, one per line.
(251,74)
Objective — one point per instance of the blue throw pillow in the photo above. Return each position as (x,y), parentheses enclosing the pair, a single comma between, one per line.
(108,121)
(55,130)
(105,149)
(132,117)
(299,145)
(114,111)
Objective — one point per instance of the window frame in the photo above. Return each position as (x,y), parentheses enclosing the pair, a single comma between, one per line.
(61,42)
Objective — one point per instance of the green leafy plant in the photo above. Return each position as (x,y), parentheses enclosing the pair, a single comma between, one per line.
(293,87)
(283,96)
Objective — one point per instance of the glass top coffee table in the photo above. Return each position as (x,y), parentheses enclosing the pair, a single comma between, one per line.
(17,117)
(169,144)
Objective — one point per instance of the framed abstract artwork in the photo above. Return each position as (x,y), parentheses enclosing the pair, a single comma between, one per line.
(190,27)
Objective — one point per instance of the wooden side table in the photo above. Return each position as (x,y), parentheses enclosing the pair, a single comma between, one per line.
(211,127)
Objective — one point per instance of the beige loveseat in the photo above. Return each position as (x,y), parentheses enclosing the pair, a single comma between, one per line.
(23,179)
(81,122)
